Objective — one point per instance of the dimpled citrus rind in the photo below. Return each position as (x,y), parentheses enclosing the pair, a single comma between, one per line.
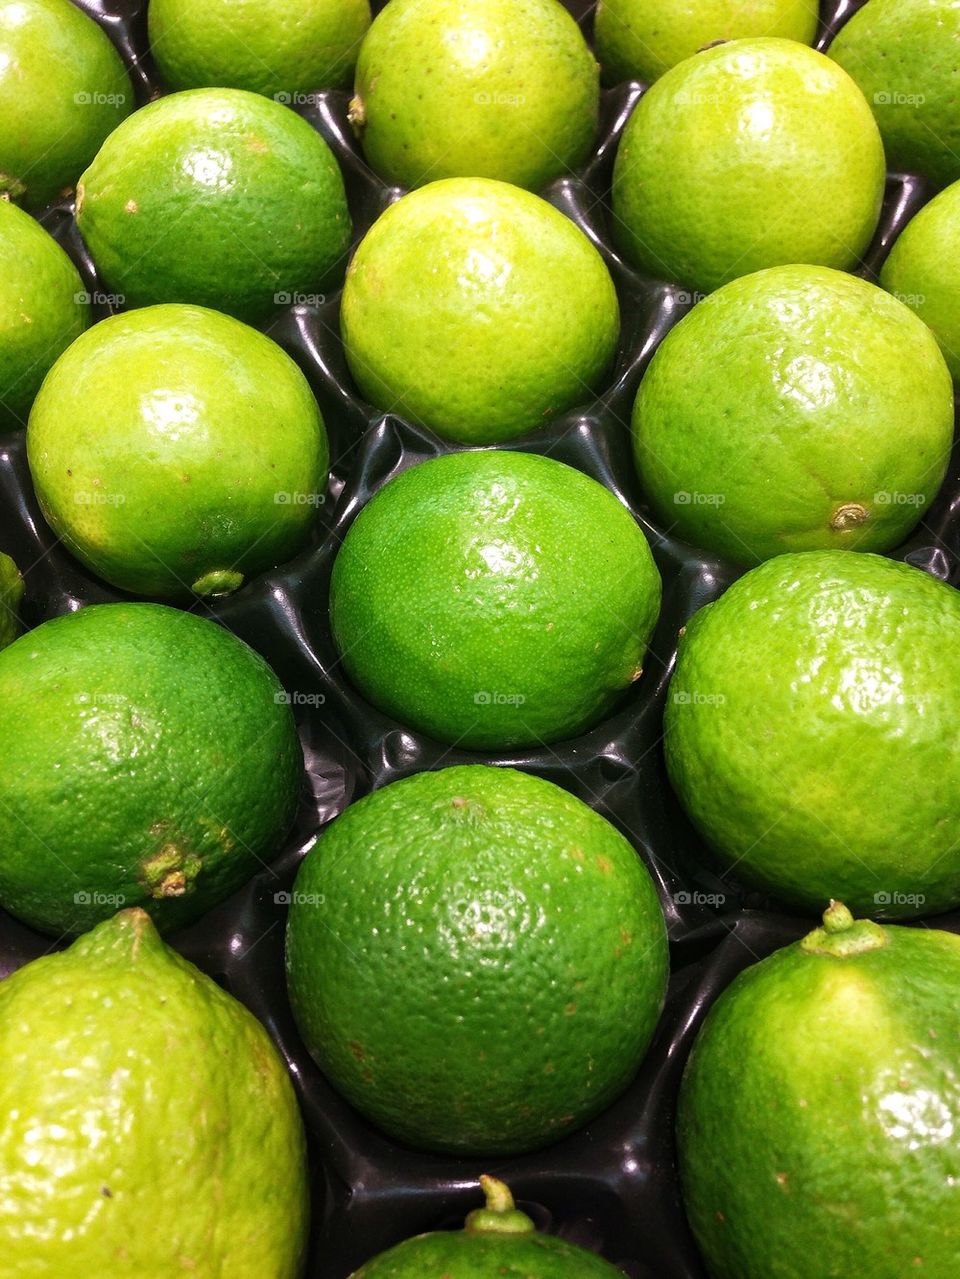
(435,973)
(455,1252)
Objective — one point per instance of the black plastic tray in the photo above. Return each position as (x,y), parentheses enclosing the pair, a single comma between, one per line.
(612,1186)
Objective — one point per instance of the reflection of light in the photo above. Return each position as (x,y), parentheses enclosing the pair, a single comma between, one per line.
(808,381)
(756,119)
(171,414)
(918,1118)
(471,47)
(503,557)
(4,61)
(486,269)
(15,15)
(209,167)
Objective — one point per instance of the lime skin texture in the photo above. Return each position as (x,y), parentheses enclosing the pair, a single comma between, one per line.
(476,309)
(798,408)
(43,307)
(751,154)
(280,48)
(923,270)
(817,1116)
(476,960)
(810,728)
(217,197)
(175,449)
(641,39)
(148,759)
(496,1240)
(150,1127)
(502,89)
(902,54)
(494,599)
(63,89)
(11,593)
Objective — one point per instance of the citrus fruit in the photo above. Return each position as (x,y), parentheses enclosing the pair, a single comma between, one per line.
(809,732)
(817,1115)
(281,48)
(475,308)
(751,154)
(640,39)
(63,88)
(150,1128)
(218,197)
(43,307)
(923,270)
(148,758)
(476,959)
(496,1240)
(494,599)
(475,89)
(11,593)
(797,408)
(176,449)
(901,53)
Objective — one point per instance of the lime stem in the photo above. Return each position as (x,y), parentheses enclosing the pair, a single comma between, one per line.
(836,918)
(498,1215)
(842,935)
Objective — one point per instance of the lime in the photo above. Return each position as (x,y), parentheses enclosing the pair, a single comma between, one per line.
(157,462)
(150,1128)
(818,683)
(63,88)
(475,88)
(477,309)
(797,408)
(818,1111)
(751,154)
(902,55)
(640,39)
(285,49)
(476,959)
(43,307)
(497,1240)
(494,599)
(11,593)
(218,197)
(148,757)
(923,270)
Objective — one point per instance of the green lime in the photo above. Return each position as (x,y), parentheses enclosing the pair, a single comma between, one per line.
(148,757)
(285,49)
(11,593)
(475,308)
(218,197)
(476,959)
(150,1127)
(157,462)
(795,409)
(810,729)
(43,307)
(496,1240)
(818,1113)
(902,54)
(751,154)
(640,39)
(63,88)
(494,599)
(465,89)
(923,270)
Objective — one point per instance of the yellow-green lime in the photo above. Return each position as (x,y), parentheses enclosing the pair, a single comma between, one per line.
(147,757)
(810,728)
(43,307)
(150,1128)
(902,54)
(476,959)
(174,449)
(11,593)
(641,39)
(475,88)
(751,154)
(818,1111)
(795,409)
(285,49)
(475,308)
(494,599)
(63,88)
(923,270)
(497,1239)
(218,197)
